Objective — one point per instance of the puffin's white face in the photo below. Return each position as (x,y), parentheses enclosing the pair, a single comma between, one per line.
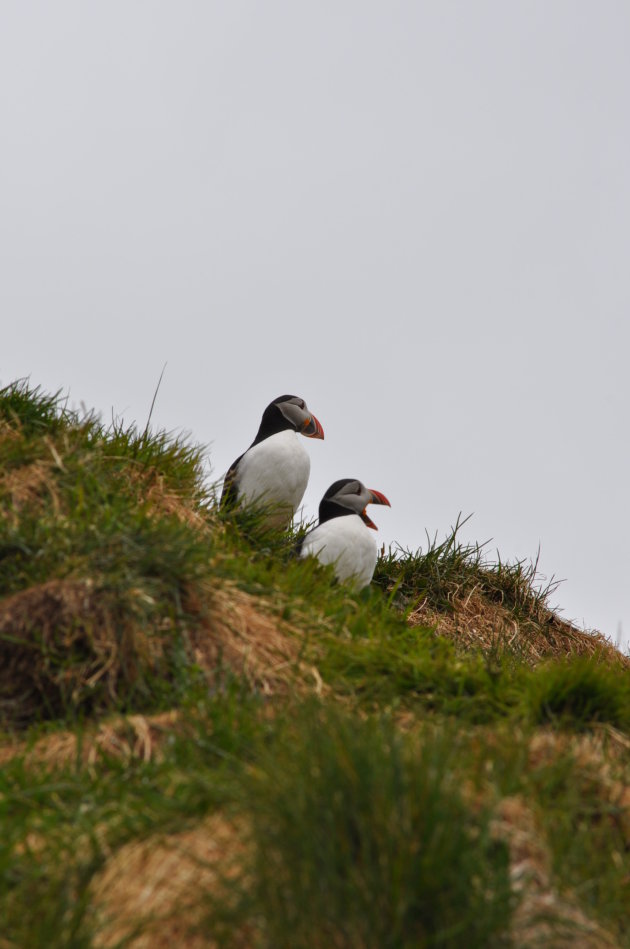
(355,496)
(296,411)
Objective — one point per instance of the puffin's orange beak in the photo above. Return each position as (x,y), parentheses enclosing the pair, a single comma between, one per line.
(366,520)
(376,498)
(312,428)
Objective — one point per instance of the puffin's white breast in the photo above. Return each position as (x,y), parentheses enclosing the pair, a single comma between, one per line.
(348,544)
(275,472)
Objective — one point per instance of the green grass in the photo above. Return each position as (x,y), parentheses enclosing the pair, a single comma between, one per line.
(579,693)
(35,412)
(357,831)
(453,567)
(587,834)
(411,668)
(91,519)
(354,830)
(94,520)
(61,822)
(358,838)
(359,811)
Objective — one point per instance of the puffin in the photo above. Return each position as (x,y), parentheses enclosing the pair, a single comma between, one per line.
(274,470)
(342,537)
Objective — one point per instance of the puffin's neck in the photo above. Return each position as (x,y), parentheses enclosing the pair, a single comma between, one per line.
(272,422)
(329,509)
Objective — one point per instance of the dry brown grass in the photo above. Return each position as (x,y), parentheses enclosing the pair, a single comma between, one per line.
(24,486)
(123,737)
(151,487)
(243,632)
(153,891)
(474,621)
(61,639)
(9,431)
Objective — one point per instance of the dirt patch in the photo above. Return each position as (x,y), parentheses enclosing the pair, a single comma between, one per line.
(476,621)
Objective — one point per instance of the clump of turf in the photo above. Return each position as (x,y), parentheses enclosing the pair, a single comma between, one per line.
(496,606)
(99,541)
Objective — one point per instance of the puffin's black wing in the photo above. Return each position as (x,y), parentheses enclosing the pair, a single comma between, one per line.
(228,494)
(297,550)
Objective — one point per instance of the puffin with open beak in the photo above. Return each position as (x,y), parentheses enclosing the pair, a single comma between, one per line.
(273,472)
(341,537)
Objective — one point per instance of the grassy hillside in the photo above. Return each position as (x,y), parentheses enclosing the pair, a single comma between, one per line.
(205,741)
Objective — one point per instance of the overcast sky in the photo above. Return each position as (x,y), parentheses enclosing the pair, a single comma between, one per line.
(415,215)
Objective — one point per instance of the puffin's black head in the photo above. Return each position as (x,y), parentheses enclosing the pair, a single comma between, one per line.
(288,413)
(349,496)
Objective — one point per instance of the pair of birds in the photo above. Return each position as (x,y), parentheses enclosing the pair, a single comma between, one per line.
(274,471)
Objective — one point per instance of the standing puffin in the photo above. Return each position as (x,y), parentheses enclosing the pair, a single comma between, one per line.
(341,537)
(275,468)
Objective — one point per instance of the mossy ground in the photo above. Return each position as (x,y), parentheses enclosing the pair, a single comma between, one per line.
(207,741)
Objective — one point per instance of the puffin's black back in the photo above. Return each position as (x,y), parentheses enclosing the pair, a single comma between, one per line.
(228,494)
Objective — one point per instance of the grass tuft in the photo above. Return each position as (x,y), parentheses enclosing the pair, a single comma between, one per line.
(359,838)
(497,606)
(579,693)
(451,568)
(31,410)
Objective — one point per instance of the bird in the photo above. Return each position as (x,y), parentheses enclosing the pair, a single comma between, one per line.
(273,472)
(341,537)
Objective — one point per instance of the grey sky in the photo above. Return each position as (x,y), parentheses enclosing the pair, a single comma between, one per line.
(414,215)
